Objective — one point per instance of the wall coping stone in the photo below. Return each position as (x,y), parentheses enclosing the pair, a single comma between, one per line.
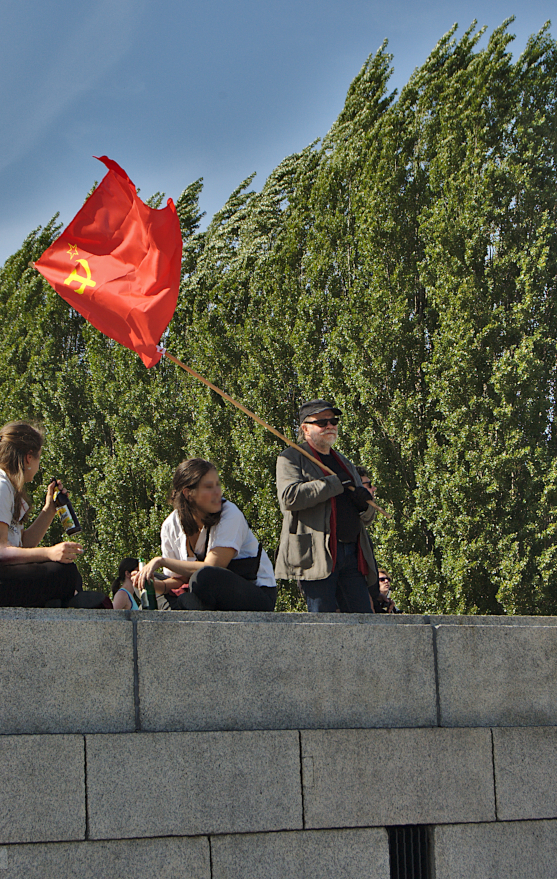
(33,613)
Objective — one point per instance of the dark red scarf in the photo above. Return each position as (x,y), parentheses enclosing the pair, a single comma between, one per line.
(362,564)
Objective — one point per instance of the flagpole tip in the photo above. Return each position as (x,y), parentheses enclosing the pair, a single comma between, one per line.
(31,264)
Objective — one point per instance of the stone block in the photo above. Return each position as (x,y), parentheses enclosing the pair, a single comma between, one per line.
(185,784)
(42,789)
(66,676)
(66,614)
(496,851)
(306,854)
(462,620)
(137,858)
(276,618)
(257,676)
(525,772)
(363,778)
(497,675)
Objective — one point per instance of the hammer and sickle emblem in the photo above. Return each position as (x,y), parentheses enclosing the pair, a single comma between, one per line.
(83,282)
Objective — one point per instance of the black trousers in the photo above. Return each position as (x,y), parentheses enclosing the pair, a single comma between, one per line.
(221,589)
(34,584)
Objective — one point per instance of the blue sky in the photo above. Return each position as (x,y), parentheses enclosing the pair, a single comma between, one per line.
(177,90)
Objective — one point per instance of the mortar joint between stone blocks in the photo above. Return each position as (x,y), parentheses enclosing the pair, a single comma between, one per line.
(302,781)
(85,787)
(435,669)
(136,678)
(494,775)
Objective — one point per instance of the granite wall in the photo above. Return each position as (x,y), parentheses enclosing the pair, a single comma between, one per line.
(232,746)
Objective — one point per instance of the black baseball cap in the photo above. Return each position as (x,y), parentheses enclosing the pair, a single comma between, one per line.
(314,407)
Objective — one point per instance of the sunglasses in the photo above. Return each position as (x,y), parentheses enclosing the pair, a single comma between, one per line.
(323,422)
(366,483)
(384,579)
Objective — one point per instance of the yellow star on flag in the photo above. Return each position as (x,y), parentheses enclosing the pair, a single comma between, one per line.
(72,250)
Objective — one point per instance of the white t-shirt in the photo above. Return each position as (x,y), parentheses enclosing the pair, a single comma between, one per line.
(7,510)
(232,531)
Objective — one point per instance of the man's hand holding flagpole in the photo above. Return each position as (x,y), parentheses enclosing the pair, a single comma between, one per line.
(259,420)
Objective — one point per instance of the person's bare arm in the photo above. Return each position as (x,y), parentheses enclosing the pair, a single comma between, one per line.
(121,601)
(166,584)
(65,552)
(218,556)
(33,535)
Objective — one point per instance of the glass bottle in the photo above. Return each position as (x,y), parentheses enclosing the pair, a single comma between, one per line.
(65,511)
(148,595)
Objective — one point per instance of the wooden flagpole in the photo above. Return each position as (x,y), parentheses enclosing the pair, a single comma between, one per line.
(259,420)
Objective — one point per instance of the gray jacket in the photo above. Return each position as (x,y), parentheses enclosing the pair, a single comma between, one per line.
(304,494)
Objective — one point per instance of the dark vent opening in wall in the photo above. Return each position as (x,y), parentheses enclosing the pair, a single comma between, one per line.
(409,852)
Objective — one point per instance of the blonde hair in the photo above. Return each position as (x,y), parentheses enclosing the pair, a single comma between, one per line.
(17,440)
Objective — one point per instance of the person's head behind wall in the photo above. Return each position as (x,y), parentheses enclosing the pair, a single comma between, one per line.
(126,567)
(384,582)
(364,476)
(319,424)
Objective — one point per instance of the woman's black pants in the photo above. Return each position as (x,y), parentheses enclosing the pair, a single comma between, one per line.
(34,584)
(221,589)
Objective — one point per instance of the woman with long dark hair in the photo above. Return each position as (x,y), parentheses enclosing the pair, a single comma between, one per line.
(208,545)
(30,575)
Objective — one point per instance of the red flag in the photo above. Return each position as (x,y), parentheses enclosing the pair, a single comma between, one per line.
(118,264)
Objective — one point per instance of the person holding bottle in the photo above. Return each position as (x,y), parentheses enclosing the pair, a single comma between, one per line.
(208,545)
(30,575)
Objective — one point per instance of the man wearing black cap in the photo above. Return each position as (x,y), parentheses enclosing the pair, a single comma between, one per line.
(324,542)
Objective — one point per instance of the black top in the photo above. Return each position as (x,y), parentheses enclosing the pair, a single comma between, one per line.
(348,518)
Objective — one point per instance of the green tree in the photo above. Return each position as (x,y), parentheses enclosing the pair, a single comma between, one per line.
(405,266)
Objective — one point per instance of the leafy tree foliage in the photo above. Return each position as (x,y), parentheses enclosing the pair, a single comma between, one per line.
(405,266)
